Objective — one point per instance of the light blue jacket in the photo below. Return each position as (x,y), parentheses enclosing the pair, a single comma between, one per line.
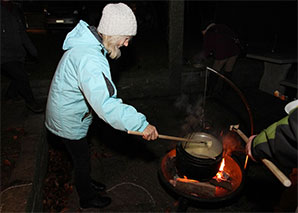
(83,81)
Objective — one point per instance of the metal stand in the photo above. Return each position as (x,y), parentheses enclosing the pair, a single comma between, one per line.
(240,95)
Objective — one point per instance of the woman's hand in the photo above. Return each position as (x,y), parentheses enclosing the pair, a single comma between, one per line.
(150,133)
(248,147)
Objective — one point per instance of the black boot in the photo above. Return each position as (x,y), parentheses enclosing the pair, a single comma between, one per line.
(97,186)
(96,202)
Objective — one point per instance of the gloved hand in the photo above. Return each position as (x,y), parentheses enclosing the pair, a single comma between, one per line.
(150,133)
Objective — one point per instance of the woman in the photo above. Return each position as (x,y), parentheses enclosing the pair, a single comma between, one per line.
(82,84)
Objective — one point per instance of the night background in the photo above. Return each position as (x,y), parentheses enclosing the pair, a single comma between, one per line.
(263,22)
(155,74)
(268,26)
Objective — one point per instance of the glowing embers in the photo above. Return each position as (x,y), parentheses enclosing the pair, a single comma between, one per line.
(222,186)
(221,175)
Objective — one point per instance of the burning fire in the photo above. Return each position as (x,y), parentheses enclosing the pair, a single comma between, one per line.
(186,180)
(219,174)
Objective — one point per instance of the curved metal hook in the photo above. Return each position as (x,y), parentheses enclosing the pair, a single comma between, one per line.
(239,93)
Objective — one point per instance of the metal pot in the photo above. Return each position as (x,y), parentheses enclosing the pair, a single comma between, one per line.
(196,160)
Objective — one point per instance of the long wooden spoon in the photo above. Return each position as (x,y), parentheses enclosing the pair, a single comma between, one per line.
(173,138)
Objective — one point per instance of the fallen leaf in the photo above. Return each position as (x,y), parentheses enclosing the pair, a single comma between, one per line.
(64,209)
(7,163)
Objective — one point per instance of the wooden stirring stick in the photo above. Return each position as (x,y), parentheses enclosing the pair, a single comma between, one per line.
(279,174)
(167,137)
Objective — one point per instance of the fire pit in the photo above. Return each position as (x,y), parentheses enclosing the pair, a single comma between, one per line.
(222,187)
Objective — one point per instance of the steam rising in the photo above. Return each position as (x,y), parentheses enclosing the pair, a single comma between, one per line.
(195,122)
(231,143)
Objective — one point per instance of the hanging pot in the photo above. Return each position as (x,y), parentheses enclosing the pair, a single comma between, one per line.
(196,161)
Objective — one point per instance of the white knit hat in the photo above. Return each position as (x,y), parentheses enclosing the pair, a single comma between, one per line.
(117,19)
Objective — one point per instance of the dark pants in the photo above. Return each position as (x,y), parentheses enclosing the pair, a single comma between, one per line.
(20,84)
(79,151)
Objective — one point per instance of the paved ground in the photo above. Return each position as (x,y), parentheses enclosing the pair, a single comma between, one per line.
(18,187)
(130,165)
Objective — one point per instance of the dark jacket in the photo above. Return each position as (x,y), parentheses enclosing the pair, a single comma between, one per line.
(219,40)
(278,142)
(14,39)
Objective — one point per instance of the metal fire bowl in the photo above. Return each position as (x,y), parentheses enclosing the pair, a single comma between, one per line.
(232,168)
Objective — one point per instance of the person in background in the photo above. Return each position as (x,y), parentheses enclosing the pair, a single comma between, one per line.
(82,85)
(219,41)
(15,44)
(278,143)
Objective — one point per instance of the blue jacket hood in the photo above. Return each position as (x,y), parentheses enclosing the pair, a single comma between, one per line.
(80,35)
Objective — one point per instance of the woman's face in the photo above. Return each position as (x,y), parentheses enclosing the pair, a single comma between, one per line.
(124,41)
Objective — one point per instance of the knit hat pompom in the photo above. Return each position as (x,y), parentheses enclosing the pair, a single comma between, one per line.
(117,19)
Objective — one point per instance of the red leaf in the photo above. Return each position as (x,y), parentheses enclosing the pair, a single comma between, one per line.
(64,209)
(7,163)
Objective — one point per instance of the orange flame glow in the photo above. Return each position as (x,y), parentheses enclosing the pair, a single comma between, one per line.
(222,165)
(186,180)
(219,173)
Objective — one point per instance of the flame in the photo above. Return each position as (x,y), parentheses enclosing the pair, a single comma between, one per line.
(219,174)
(186,180)
(222,165)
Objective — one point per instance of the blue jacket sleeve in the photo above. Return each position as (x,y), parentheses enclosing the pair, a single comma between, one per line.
(93,78)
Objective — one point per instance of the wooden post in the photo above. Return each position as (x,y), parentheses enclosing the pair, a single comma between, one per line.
(176,31)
